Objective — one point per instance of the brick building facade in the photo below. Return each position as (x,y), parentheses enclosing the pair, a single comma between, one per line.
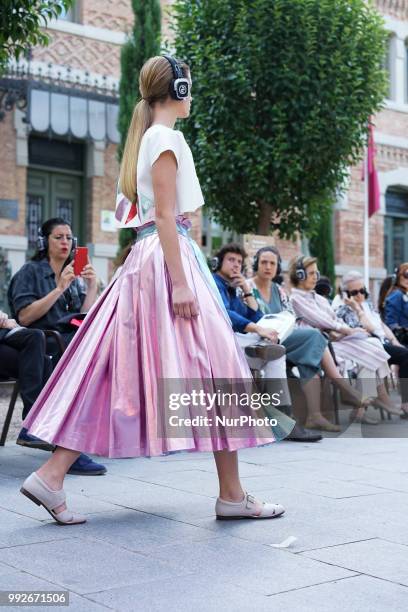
(59,154)
(388,229)
(63,161)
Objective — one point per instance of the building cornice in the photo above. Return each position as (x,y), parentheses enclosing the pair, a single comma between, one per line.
(88,31)
(391,141)
(398,9)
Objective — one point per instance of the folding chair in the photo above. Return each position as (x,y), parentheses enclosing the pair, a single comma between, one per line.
(14,381)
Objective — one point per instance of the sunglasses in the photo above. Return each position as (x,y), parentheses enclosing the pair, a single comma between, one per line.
(356,292)
(404,274)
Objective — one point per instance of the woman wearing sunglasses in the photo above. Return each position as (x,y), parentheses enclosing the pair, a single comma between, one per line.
(350,344)
(358,311)
(396,304)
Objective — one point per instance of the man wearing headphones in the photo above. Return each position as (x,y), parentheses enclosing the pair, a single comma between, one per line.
(237,294)
(44,291)
(260,344)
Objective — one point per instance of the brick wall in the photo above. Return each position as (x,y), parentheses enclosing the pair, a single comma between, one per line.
(79,52)
(395,8)
(12,178)
(392,123)
(116,15)
(103,194)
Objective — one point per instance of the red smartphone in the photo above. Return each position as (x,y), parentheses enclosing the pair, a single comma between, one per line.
(80,259)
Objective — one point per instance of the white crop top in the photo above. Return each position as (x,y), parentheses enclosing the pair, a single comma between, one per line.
(157,139)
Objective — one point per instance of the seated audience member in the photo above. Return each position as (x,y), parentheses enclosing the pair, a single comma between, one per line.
(396,304)
(324,287)
(245,314)
(306,348)
(349,343)
(22,356)
(45,290)
(385,288)
(357,310)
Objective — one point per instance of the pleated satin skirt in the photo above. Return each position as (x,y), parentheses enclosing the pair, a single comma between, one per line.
(102,398)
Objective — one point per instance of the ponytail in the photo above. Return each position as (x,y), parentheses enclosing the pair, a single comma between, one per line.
(154,82)
(141,120)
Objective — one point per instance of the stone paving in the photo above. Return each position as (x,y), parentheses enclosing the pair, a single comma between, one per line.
(151,542)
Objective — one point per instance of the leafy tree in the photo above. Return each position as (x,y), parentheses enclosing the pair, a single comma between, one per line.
(21,23)
(321,244)
(143,43)
(282,92)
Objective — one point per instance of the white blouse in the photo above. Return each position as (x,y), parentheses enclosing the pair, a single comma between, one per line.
(156,140)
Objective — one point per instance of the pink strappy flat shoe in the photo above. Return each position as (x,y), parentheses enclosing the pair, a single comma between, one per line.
(39,492)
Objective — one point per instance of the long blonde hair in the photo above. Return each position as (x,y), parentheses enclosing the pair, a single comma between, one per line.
(154,81)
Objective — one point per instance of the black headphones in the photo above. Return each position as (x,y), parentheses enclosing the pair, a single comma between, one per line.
(42,242)
(395,275)
(179,87)
(267,249)
(216,263)
(300,272)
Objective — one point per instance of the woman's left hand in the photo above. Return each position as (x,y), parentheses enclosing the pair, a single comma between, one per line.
(89,275)
(353,304)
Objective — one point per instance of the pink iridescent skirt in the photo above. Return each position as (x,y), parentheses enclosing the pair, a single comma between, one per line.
(102,396)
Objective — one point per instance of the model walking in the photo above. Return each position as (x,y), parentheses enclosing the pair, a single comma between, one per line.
(160,318)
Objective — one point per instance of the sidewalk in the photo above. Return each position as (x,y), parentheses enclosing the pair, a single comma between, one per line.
(152,544)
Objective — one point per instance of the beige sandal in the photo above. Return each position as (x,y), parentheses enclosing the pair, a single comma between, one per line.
(38,491)
(249,507)
(364,419)
(390,408)
(322,426)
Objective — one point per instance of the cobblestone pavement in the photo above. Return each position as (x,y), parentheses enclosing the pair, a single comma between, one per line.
(151,542)
(15,426)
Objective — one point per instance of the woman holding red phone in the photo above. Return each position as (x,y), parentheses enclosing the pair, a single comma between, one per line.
(161,318)
(47,288)
(44,291)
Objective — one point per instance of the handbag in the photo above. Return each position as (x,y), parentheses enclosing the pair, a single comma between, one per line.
(401,334)
(282,322)
(70,322)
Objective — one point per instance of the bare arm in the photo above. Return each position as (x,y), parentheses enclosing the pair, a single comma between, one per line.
(89,276)
(317,315)
(164,187)
(269,334)
(39,308)
(363,318)
(365,321)
(90,299)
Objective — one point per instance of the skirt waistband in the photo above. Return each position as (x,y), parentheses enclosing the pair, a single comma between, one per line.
(182,223)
